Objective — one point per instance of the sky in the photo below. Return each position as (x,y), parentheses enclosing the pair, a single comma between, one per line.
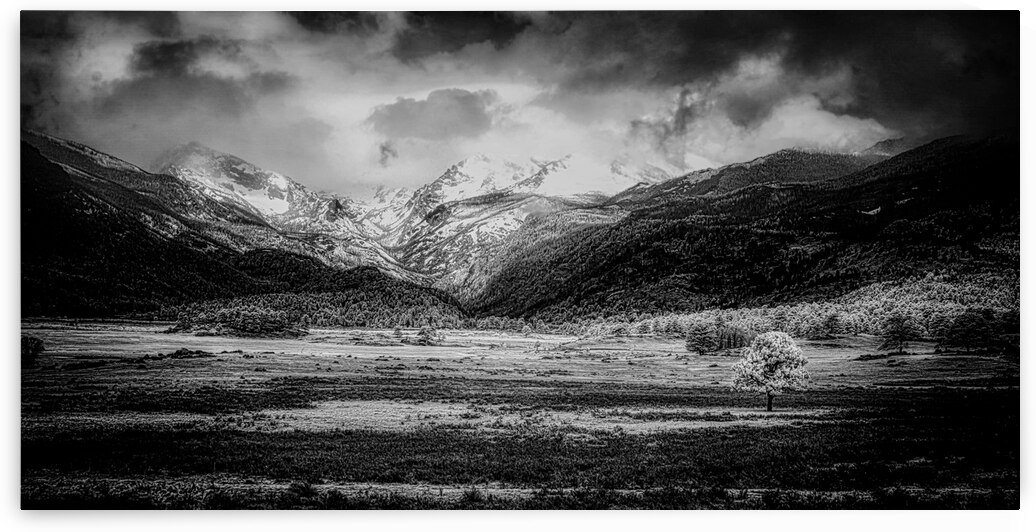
(343,101)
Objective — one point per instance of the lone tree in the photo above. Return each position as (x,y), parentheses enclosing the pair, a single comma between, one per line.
(896,331)
(701,337)
(771,364)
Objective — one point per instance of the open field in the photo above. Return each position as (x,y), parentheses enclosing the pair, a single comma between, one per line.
(111,417)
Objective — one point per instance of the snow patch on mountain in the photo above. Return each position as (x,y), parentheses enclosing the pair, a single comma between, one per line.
(320,221)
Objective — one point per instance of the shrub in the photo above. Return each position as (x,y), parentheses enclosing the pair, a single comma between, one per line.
(429,336)
(302,488)
(31,349)
(973,329)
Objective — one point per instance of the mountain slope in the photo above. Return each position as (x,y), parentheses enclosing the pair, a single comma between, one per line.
(91,246)
(317,224)
(269,195)
(94,246)
(381,214)
(456,236)
(920,211)
(784,166)
(174,193)
(894,146)
(572,180)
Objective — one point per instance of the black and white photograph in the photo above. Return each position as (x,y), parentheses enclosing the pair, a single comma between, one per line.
(518,260)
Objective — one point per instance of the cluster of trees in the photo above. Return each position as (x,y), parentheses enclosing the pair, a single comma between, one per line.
(704,337)
(932,302)
(971,330)
(356,307)
(427,336)
(241,321)
(306,293)
(968,313)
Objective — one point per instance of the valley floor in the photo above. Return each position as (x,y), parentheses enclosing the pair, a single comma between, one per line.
(355,419)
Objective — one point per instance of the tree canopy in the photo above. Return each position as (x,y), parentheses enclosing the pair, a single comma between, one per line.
(771,364)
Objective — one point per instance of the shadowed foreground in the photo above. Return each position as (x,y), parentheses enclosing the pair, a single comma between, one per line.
(337,420)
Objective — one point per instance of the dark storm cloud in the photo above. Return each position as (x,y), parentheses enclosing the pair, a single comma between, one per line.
(44,34)
(161,96)
(174,58)
(684,113)
(667,48)
(659,132)
(55,25)
(47,25)
(443,115)
(166,79)
(157,23)
(690,83)
(158,84)
(915,71)
(386,152)
(36,78)
(912,71)
(445,32)
(337,21)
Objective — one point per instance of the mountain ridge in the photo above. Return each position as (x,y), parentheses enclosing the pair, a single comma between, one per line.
(516,252)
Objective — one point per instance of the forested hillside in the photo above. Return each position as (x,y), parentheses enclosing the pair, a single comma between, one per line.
(782,167)
(304,291)
(93,247)
(942,208)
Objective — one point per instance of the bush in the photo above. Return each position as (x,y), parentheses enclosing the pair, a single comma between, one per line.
(973,329)
(31,349)
(429,336)
(302,489)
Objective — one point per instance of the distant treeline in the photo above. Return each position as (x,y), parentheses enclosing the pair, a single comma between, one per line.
(387,307)
(930,307)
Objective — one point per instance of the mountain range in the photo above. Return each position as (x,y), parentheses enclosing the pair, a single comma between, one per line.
(553,239)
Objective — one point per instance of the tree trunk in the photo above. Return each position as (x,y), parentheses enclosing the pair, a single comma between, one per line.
(769,402)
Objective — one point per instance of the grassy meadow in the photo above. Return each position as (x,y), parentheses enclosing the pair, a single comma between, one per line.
(121,415)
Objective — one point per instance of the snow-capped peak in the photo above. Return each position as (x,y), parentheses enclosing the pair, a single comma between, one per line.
(478,175)
(234,179)
(278,199)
